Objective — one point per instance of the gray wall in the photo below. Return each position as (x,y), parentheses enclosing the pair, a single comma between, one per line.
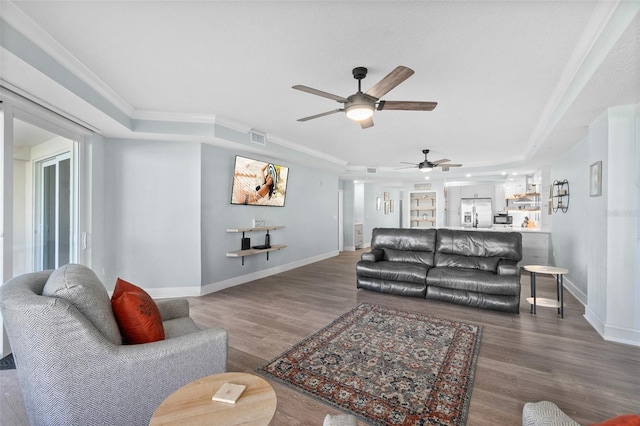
(167,208)
(310,217)
(152,213)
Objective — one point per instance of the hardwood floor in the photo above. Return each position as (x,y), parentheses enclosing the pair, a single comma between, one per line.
(522,357)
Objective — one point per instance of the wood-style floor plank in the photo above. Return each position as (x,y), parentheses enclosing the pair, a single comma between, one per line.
(522,357)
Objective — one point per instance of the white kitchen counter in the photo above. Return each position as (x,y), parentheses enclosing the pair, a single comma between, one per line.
(535,242)
(501,229)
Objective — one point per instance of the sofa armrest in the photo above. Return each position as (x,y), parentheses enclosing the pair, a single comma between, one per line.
(373,255)
(508,267)
(173,308)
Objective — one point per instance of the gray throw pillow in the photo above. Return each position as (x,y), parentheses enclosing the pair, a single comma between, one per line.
(80,286)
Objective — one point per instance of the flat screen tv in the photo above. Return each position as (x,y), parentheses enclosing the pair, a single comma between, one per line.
(258,183)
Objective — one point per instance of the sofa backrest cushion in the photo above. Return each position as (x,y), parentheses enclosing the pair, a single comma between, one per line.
(471,262)
(80,286)
(500,245)
(405,245)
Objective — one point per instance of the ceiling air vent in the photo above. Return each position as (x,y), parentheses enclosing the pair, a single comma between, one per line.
(372,170)
(259,138)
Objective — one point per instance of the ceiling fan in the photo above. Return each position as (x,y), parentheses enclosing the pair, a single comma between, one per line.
(427,166)
(360,106)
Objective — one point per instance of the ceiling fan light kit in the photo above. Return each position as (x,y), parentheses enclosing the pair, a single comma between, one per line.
(360,106)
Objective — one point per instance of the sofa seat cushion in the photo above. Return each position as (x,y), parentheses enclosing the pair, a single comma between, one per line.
(79,285)
(474,280)
(393,271)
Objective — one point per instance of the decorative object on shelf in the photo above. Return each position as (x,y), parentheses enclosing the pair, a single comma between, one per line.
(378,203)
(560,196)
(246,243)
(386,207)
(386,196)
(595,179)
(258,223)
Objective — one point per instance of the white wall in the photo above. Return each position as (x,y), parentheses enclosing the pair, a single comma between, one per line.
(597,239)
(570,245)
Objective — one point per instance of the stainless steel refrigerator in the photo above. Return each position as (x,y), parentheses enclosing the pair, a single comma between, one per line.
(476,212)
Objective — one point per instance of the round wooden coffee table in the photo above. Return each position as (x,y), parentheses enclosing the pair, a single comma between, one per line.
(192,404)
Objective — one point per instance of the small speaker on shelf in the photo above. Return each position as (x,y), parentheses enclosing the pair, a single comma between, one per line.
(246,243)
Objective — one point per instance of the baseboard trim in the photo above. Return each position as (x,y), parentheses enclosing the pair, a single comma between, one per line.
(611,333)
(221,285)
(575,291)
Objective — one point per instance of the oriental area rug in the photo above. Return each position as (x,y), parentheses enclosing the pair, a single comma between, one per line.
(386,366)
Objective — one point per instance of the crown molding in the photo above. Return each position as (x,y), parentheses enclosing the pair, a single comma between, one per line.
(297,147)
(594,44)
(15,17)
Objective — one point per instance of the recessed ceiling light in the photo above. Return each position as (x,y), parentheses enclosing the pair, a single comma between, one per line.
(468,175)
(427,177)
(514,173)
(503,173)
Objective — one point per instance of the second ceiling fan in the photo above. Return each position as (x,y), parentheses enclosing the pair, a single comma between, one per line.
(427,166)
(360,106)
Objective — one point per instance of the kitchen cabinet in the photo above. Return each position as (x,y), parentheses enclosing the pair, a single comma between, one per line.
(422,209)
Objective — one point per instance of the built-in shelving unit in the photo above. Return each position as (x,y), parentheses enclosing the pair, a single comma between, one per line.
(422,209)
(560,196)
(252,251)
(524,202)
(357,235)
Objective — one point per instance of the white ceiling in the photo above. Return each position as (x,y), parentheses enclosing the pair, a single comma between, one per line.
(517,82)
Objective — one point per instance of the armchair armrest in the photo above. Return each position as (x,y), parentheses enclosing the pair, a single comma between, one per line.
(173,308)
(373,255)
(508,267)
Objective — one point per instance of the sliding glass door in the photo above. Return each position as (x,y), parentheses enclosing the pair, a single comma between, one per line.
(53,212)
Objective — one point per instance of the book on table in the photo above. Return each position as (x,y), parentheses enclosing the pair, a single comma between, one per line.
(229,393)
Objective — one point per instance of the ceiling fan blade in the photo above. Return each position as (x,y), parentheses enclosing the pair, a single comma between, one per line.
(365,124)
(444,160)
(407,105)
(392,79)
(403,168)
(406,162)
(319,93)
(322,114)
(445,167)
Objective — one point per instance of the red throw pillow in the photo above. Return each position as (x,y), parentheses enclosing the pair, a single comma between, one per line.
(622,420)
(137,314)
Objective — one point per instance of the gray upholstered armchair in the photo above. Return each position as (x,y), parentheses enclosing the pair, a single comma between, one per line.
(73,368)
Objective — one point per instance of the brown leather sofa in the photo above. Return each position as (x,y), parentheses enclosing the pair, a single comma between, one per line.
(473,268)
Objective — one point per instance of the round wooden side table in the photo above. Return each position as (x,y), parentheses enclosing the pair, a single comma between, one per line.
(192,404)
(547,303)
